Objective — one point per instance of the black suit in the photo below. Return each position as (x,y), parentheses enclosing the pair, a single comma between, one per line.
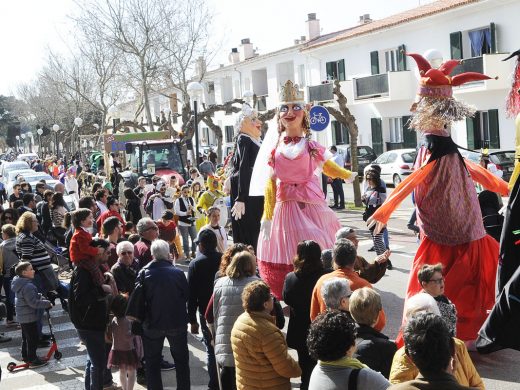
(246,229)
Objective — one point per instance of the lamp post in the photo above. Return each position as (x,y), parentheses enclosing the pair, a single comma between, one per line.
(56,128)
(17,144)
(77,123)
(31,141)
(23,141)
(40,132)
(195,90)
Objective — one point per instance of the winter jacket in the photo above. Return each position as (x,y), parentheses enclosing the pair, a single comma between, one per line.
(88,307)
(260,351)
(227,307)
(160,297)
(403,369)
(297,292)
(27,300)
(442,381)
(8,256)
(124,276)
(374,349)
(80,248)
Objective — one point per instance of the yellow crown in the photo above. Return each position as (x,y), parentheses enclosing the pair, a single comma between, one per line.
(289,93)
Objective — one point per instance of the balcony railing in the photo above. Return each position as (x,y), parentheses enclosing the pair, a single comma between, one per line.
(261,103)
(321,93)
(371,86)
(475,64)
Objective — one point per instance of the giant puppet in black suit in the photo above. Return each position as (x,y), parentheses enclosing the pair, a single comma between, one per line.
(246,210)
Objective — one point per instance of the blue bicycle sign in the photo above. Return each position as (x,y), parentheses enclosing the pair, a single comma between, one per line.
(319,118)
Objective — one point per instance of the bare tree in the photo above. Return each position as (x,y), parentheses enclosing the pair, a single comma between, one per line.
(345,117)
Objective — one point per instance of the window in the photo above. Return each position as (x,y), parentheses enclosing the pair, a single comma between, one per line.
(473,43)
(483,130)
(377,134)
(396,129)
(480,41)
(301,75)
(390,60)
(336,70)
(205,136)
(238,93)
(230,132)
(340,134)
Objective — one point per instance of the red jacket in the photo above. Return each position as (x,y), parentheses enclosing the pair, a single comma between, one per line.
(108,214)
(80,248)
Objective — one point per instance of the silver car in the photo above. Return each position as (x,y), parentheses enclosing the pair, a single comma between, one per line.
(395,165)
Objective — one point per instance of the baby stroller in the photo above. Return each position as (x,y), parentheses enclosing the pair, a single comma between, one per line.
(11,366)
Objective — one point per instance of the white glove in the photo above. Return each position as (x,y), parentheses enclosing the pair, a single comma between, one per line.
(238,209)
(351,178)
(265,229)
(227,186)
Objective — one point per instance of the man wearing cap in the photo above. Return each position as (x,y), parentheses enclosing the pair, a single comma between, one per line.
(201,275)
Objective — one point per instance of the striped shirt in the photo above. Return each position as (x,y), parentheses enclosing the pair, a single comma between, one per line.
(29,248)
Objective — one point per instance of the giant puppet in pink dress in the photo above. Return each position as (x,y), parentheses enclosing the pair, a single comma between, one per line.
(448,212)
(294,208)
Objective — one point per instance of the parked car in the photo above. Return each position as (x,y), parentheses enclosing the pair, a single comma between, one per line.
(27,157)
(365,156)
(395,165)
(12,166)
(32,178)
(10,178)
(503,159)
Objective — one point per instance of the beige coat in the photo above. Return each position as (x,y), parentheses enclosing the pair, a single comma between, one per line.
(260,351)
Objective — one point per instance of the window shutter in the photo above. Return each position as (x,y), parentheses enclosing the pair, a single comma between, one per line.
(374,62)
(409,135)
(493,34)
(330,72)
(377,135)
(401,57)
(346,134)
(341,70)
(333,128)
(471,130)
(456,45)
(494,133)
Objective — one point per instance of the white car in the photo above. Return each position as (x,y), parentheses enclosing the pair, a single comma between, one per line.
(395,165)
(12,166)
(27,157)
(33,178)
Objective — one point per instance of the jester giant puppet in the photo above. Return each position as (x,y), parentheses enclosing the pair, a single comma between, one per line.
(448,212)
(294,208)
(501,328)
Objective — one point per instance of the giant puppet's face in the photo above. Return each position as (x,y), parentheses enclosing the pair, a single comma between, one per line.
(252,126)
(291,117)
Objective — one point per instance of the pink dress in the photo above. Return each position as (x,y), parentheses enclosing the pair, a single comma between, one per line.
(301,213)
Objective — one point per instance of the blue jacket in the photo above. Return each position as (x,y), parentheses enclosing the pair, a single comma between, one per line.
(27,300)
(165,294)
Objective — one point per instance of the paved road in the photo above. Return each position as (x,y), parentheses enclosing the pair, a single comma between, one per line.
(499,370)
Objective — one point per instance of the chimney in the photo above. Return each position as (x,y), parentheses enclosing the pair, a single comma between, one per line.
(296,41)
(234,56)
(313,26)
(200,66)
(302,38)
(246,49)
(364,19)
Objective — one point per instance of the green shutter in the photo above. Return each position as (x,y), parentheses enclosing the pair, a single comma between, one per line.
(494,133)
(456,45)
(341,70)
(401,58)
(346,134)
(330,72)
(377,135)
(409,135)
(333,129)
(374,62)
(493,34)
(473,132)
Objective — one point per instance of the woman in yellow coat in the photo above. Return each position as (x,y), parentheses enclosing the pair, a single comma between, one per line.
(261,357)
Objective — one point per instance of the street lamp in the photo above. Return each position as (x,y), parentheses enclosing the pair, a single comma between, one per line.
(31,141)
(77,123)
(17,144)
(56,128)
(40,132)
(23,141)
(195,90)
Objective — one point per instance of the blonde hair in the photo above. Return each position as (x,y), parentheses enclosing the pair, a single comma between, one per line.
(365,305)
(24,223)
(242,265)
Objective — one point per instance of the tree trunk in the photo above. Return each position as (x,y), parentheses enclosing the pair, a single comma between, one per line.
(146,100)
(218,135)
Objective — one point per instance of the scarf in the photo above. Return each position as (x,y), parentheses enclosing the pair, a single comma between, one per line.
(344,362)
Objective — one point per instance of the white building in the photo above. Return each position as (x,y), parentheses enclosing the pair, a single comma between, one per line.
(380,82)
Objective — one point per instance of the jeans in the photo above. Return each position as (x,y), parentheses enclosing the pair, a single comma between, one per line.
(339,195)
(210,351)
(9,297)
(228,378)
(96,358)
(192,232)
(385,238)
(29,341)
(153,342)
